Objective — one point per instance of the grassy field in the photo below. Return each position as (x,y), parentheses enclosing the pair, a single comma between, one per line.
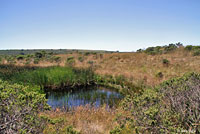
(137,67)
(154,81)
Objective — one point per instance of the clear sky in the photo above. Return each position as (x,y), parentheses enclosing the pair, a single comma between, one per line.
(123,25)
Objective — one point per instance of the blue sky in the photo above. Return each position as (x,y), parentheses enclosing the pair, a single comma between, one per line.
(124,25)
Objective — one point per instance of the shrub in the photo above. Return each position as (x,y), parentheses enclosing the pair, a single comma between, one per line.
(19,106)
(196,52)
(159,75)
(189,47)
(80,58)
(91,62)
(70,61)
(50,53)
(101,56)
(179,44)
(39,55)
(194,49)
(80,53)
(171,107)
(20,57)
(36,61)
(21,53)
(30,56)
(150,50)
(183,97)
(170,47)
(116,130)
(70,130)
(43,52)
(27,62)
(161,49)
(94,53)
(10,58)
(87,53)
(153,50)
(57,59)
(165,62)
(140,50)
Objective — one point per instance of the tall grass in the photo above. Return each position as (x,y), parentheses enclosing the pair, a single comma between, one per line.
(55,77)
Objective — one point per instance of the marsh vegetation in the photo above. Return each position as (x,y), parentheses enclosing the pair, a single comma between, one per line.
(160,86)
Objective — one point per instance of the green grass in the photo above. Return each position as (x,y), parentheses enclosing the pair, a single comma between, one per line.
(50,77)
(55,77)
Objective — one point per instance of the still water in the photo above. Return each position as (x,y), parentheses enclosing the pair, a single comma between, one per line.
(95,96)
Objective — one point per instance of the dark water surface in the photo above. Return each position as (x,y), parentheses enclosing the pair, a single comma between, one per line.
(96,96)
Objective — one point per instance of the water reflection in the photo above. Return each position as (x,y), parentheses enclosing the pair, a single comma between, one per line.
(95,96)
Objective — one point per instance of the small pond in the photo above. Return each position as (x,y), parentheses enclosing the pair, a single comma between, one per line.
(95,96)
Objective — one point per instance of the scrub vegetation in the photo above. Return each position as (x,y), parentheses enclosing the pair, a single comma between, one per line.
(160,85)
(19,106)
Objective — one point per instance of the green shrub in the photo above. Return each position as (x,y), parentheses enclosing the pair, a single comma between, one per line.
(36,61)
(196,52)
(39,55)
(70,130)
(19,106)
(101,56)
(27,62)
(194,49)
(168,108)
(165,62)
(189,47)
(70,61)
(159,75)
(20,57)
(10,58)
(87,53)
(94,53)
(179,44)
(50,53)
(153,50)
(80,58)
(170,47)
(91,62)
(150,50)
(116,130)
(30,56)
(140,50)
(57,59)
(161,49)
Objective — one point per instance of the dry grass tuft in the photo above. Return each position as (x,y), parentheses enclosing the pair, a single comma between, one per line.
(84,119)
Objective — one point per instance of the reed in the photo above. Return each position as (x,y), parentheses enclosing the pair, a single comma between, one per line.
(53,77)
